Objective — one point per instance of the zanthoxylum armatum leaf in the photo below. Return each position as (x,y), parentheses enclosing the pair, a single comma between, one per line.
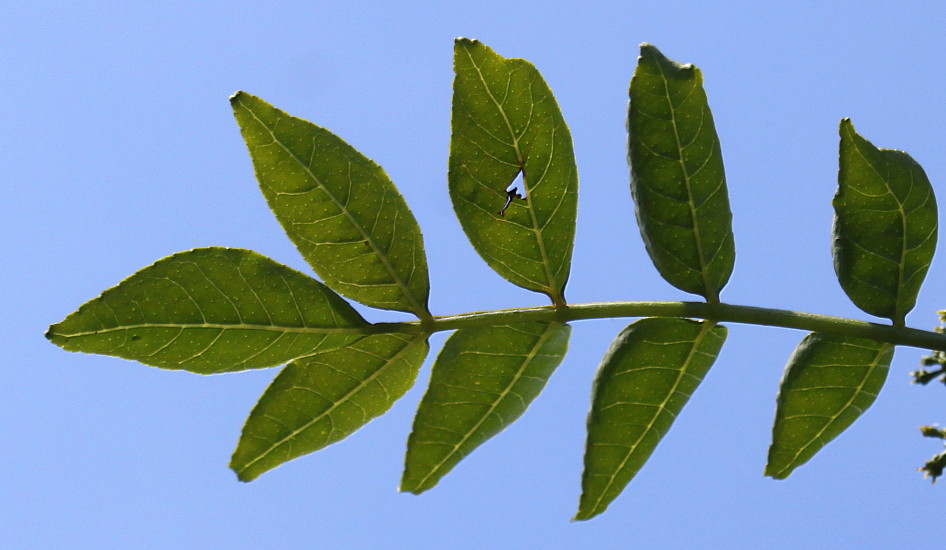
(212,310)
(885,226)
(325,397)
(482,381)
(677,177)
(829,382)
(339,208)
(507,126)
(513,183)
(644,380)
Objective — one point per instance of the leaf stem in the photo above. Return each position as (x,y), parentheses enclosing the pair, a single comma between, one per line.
(898,335)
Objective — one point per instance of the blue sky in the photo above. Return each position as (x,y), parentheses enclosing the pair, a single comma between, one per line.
(119,147)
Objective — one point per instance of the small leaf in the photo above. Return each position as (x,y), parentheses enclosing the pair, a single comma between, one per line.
(645,379)
(339,208)
(507,125)
(884,227)
(483,380)
(211,310)
(677,176)
(829,382)
(318,400)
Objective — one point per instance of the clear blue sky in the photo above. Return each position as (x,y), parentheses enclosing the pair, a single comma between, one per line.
(118,147)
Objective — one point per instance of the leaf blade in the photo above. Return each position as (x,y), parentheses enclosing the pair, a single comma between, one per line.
(677,176)
(211,310)
(645,380)
(506,124)
(885,226)
(338,207)
(829,382)
(482,381)
(321,399)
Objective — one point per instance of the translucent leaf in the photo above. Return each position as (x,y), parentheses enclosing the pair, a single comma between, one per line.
(884,227)
(324,398)
(645,379)
(508,132)
(211,310)
(829,382)
(483,380)
(677,176)
(339,208)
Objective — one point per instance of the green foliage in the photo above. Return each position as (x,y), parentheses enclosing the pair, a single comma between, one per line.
(677,177)
(211,310)
(885,226)
(325,397)
(644,381)
(829,382)
(340,209)
(216,310)
(507,124)
(483,380)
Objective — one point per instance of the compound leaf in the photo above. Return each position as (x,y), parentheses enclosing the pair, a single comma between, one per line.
(645,379)
(211,310)
(677,177)
(829,382)
(339,208)
(325,397)
(483,380)
(506,126)
(884,227)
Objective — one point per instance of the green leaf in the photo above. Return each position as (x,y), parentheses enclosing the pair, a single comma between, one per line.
(829,382)
(506,124)
(482,381)
(645,379)
(677,176)
(211,310)
(884,227)
(339,208)
(318,400)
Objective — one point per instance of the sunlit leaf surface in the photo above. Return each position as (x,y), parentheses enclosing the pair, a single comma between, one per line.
(884,227)
(323,398)
(645,379)
(829,382)
(211,310)
(483,380)
(508,132)
(339,208)
(677,176)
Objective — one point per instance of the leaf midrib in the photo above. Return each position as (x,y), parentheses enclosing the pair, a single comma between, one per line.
(712,294)
(220,326)
(416,307)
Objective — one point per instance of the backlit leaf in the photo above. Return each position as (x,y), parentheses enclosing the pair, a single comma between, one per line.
(483,380)
(645,379)
(677,176)
(884,227)
(829,382)
(324,398)
(211,310)
(507,126)
(339,208)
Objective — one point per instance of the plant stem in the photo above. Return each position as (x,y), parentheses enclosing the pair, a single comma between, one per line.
(903,336)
